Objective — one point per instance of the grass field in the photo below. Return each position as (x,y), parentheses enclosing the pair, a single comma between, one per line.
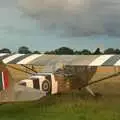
(71,106)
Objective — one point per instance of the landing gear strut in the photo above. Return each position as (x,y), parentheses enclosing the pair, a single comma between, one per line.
(90,91)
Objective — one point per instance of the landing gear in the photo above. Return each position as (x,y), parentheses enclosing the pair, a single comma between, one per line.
(94,94)
(90,91)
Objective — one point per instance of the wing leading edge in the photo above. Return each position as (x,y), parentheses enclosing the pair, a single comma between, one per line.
(49,60)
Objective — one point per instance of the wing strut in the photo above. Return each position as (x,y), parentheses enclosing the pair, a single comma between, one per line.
(86,86)
(19,69)
(29,68)
(102,79)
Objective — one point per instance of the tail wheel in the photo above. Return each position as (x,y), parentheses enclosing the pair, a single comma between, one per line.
(46,86)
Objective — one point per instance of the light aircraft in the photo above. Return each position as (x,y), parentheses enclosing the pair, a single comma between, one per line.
(58,73)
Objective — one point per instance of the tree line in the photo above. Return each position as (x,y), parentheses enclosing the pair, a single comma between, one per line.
(63,51)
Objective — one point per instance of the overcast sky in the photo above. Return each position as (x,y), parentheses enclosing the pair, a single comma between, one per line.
(49,24)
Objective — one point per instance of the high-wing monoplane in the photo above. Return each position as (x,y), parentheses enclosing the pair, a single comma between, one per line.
(50,74)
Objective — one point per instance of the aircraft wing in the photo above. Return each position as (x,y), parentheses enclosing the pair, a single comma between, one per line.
(49,60)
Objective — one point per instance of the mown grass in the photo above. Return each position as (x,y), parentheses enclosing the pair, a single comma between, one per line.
(71,106)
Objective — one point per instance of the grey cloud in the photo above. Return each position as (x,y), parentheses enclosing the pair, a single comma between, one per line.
(90,17)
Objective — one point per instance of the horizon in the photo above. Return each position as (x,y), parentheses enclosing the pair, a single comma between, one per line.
(42,52)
